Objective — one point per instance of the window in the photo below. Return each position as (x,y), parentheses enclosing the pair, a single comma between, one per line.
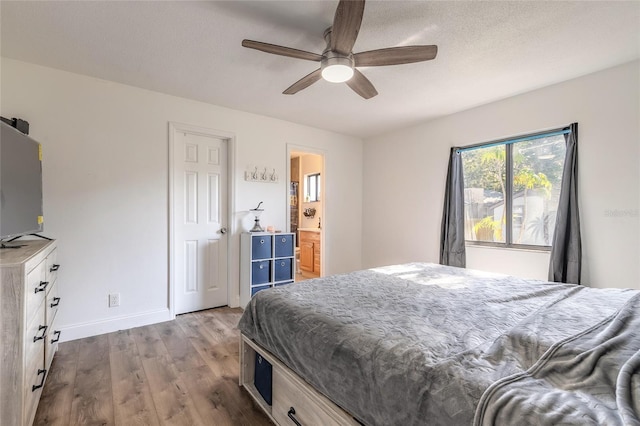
(511,190)
(312,187)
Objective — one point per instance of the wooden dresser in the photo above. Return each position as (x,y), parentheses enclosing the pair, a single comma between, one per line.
(310,251)
(28,337)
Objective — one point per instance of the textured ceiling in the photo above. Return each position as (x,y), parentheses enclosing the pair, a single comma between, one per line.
(487,51)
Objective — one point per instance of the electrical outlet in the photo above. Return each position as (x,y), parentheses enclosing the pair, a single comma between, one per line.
(114,300)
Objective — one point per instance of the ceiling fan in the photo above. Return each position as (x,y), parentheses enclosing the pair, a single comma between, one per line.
(338,63)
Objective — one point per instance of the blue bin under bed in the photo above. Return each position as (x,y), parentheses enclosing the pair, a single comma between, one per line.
(263,378)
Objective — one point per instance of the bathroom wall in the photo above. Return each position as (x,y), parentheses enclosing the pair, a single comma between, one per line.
(310,164)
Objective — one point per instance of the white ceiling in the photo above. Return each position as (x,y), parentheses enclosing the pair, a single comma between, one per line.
(487,51)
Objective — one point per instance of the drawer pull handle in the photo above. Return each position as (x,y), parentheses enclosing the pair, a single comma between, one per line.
(57,334)
(284,240)
(262,241)
(54,267)
(261,266)
(42,328)
(281,263)
(41,287)
(44,374)
(292,415)
(56,302)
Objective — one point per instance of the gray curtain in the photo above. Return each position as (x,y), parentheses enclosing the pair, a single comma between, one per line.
(566,250)
(452,250)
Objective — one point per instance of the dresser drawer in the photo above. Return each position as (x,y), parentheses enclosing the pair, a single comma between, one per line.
(51,342)
(35,337)
(291,397)
(51,268)
(53,334)
(53,302)
(36,289)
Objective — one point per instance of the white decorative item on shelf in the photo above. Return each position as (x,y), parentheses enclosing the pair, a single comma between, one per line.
(260,174)
(256,213)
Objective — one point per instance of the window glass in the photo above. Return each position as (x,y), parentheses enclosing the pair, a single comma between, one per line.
(312,187)
(512,191)
(484,193)
(537,177)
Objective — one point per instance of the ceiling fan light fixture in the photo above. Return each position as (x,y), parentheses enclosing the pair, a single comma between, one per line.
(337,69)
(338,63)
(337,73)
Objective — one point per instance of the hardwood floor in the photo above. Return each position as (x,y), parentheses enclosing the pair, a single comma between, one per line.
(182,372)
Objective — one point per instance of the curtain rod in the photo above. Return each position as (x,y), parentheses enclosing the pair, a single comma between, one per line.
(555,132)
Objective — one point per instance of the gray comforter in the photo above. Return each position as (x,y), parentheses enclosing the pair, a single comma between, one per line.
(423,344)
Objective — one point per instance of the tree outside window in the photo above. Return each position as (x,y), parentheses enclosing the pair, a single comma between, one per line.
(512,191)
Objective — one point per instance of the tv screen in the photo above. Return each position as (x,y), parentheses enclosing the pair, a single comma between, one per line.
(20,184)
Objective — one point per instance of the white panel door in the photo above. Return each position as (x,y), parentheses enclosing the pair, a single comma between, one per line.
(199,221)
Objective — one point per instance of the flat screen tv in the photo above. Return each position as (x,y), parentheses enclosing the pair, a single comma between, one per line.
(20,184)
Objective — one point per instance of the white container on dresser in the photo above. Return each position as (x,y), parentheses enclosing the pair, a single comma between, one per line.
(28,337)
(266,260)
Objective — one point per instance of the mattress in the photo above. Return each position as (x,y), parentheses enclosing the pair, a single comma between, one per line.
(429,344)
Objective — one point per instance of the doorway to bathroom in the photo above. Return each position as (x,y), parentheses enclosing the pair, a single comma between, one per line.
(306,208)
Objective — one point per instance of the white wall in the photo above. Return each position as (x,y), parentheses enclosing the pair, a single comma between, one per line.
(105,174)
(405,171)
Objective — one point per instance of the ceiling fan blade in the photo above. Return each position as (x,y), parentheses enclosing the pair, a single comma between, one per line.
(395,55)
(346,25)
(304,82)
(281,50)
(361,85)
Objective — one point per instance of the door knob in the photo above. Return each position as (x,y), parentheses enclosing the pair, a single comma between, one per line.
(223,230)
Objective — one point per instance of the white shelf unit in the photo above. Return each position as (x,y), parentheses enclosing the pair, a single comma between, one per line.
(266,260)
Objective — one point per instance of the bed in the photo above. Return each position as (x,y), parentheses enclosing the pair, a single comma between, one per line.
(420,343)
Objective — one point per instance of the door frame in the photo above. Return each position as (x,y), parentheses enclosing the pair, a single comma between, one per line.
(230,138)
(310,150)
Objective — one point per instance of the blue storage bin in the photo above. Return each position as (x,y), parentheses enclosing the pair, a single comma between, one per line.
(254,290)
(261,247)
(283,269)
(263,378)
(261,272)
(284,245)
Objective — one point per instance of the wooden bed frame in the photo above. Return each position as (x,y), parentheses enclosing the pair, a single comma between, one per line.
(294,402)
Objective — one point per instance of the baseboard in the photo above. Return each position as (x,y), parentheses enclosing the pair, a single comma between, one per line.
(94,328)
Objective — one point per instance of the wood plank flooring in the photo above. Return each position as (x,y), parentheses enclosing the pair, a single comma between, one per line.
(182,372)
